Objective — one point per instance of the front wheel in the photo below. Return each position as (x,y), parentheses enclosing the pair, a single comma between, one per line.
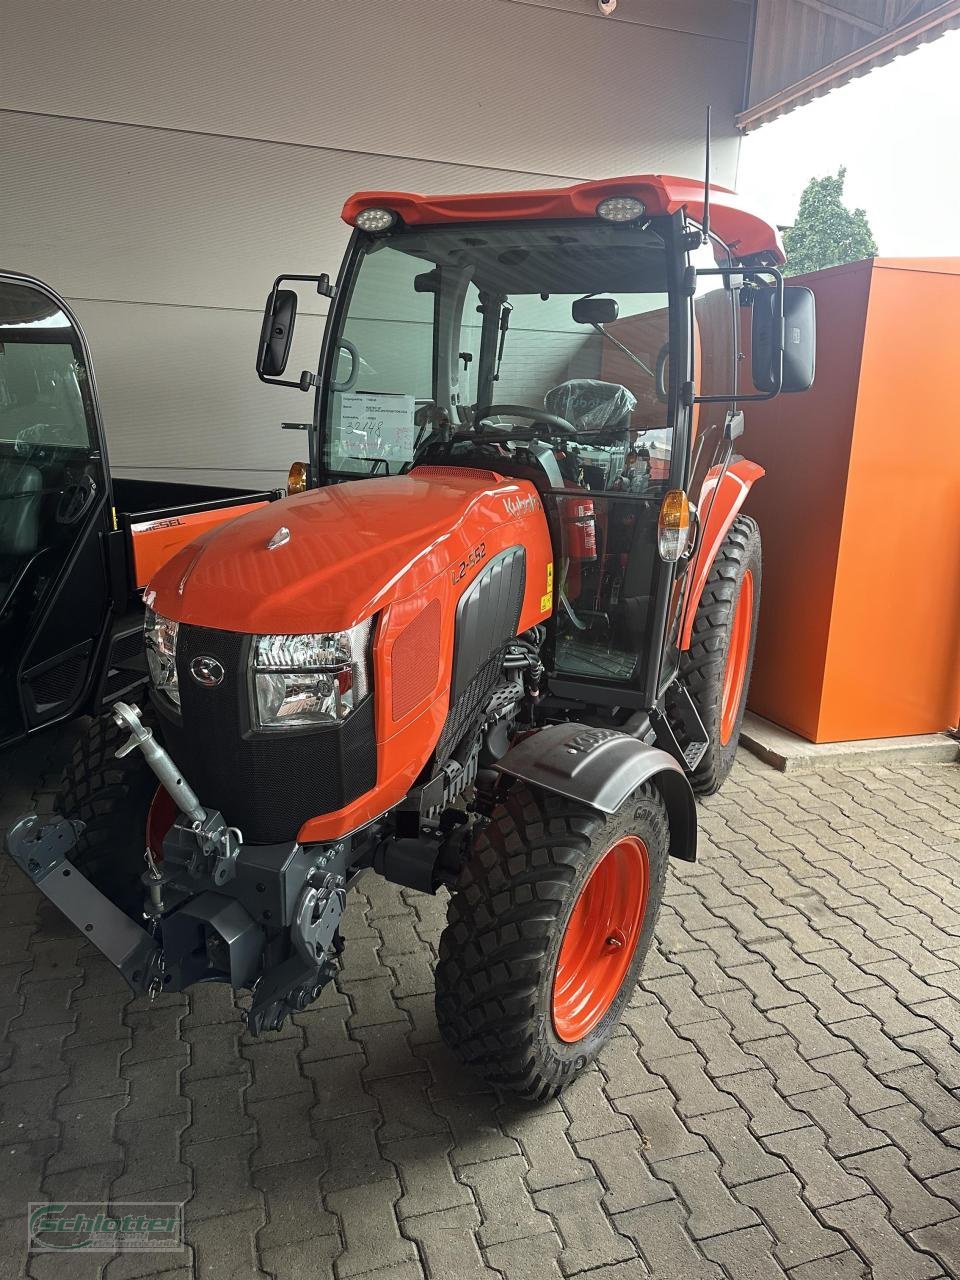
(546,935)
(716,668)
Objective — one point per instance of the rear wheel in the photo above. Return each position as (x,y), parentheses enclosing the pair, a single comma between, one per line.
(716,668)
(546,935)
(116,800)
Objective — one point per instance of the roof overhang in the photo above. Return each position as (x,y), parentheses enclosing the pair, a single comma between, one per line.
(745,232)
(802,49)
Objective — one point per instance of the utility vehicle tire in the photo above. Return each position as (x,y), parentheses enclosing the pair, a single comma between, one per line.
(716,668)
(113,798)
(547,930)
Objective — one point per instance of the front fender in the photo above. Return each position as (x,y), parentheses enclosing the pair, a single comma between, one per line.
(601,768)
(736,482)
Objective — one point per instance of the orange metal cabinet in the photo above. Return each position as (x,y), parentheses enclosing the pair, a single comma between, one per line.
(860,512)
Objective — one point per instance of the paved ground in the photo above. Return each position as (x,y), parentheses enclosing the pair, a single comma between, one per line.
(782,1099)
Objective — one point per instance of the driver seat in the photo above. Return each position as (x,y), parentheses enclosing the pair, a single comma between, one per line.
(592,406)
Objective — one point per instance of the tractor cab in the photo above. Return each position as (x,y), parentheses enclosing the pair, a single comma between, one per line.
(589,341)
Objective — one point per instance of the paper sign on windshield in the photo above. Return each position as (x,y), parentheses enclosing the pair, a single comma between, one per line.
(377,424)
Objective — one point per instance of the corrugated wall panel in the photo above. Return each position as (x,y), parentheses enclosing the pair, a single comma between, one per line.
(163,162)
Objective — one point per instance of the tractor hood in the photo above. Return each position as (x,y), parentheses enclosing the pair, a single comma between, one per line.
(326,559)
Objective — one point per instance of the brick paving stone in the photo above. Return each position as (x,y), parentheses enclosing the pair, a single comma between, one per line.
(476,1129)
(448,1241)
(625,1173)
(224,1247)
(589,1109)
(221,1177)
(865,1223)
(338,1088)
(406,1110)
(747,1254)
(387,1050)
(680,1001)
(911,1203)
(862,1088)
(655,1118)
(292,1196)
(799,1235)
(696,1094)
(214,1050)
(624,1073)
(152,1157)
(814,1039)
(275,1071)
(426,1174)
(86,1136)
(841,1266)
(825,1180)
(371,1234)
(757,1095)
(542,1136)
(533,1258)
(283,1126)
(27,1108)
(940,1108)
(943,1242)
(659,1233)
(746,1020)
(742,1157)
(507,1210)
(155,1090)
(768,991)
(792,1074)
(721,1054)
(589,1238)
(304,1260)
(713,1210)
(940,1052)
(927,1153)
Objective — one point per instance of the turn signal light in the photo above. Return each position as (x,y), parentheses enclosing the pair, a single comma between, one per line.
(673,526)
(297,478)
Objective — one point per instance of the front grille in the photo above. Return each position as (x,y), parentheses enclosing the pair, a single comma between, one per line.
(267,784)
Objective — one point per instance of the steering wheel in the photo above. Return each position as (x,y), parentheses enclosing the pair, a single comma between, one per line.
(74,499)
(560,425)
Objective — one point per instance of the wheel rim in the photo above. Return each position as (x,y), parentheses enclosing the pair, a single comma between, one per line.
(600,939)
(738,655)
(159,820)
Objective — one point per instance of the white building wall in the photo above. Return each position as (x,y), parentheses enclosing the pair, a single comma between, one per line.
(163,162)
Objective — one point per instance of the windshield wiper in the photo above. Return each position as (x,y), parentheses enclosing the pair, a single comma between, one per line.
(626,350)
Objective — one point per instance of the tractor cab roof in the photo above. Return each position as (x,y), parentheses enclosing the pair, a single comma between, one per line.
(746,233)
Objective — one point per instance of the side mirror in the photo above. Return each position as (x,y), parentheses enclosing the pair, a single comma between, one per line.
(795,343)
(279,317)
(595,310)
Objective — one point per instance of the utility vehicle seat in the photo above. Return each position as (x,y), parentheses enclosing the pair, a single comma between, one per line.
(21,487)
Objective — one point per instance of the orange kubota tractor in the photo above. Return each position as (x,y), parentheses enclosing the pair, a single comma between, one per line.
(496,644)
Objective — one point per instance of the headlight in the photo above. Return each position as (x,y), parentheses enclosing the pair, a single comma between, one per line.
(313,679)
(160,638)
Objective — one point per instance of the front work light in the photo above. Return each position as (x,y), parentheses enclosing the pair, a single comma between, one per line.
(375,219)
(311,680)
(621,209)
(673,525)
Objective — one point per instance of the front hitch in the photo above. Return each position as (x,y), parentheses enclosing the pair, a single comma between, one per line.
(40,851)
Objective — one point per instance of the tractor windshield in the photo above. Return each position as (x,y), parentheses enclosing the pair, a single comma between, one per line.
(441,325)
(520,336)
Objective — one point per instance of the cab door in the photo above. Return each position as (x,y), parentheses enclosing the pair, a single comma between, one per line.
(55,511)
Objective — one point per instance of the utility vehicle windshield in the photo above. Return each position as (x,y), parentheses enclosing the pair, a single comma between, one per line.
(445,326)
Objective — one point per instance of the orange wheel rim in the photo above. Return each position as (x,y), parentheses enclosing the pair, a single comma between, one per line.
(738,655)
(160,819)
(600,939)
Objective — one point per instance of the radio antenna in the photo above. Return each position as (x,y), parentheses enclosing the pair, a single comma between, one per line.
(705,222)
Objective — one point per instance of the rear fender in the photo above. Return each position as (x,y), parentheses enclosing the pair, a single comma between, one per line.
(722,510)
(601,768)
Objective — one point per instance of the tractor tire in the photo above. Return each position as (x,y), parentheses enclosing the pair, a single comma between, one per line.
(547,931)
(112,798)
(716,668)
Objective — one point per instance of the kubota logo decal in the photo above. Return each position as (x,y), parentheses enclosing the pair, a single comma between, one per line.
(521,506)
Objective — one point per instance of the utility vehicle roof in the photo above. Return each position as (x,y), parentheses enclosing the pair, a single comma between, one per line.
(746,233)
